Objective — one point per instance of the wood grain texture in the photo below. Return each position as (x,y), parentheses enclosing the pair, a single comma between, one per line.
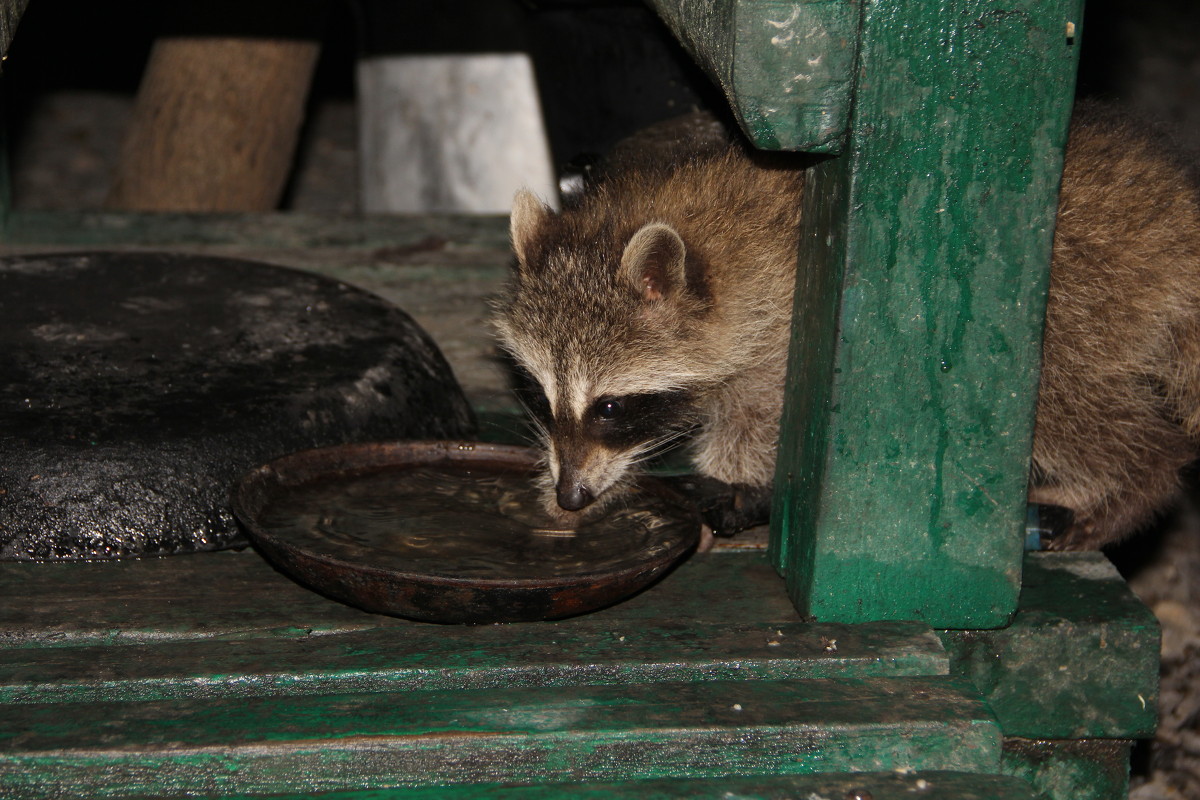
(215,125)
(10,15)
(1097,769)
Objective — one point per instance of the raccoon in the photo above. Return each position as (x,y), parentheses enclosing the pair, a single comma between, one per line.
(1118,411)
(658,306)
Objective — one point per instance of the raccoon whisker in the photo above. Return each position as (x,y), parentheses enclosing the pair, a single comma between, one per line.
(655,446)
(540,431)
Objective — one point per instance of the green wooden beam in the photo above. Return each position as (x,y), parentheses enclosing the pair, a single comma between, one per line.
(595,733)
(900,489)
(786,66)
(1079,660)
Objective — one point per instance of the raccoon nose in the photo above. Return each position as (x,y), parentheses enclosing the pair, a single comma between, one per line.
(573,495)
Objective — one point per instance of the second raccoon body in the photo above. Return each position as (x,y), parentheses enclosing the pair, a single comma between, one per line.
(660,304)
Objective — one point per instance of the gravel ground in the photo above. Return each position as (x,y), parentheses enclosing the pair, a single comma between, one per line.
(1146,53)
(1164,571)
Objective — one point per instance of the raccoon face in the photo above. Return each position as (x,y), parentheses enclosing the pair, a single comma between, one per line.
(603,326)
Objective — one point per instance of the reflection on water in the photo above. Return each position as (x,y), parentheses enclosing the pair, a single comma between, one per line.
(466,523)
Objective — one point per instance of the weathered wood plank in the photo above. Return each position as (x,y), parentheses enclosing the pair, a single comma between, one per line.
(349,741)
(216,121)
(786,66)
(1080,658)
(876,785)
(900,490)
(415,658)
(226,624)
(237,595)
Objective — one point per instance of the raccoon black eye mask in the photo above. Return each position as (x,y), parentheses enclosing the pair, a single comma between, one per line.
(626,422)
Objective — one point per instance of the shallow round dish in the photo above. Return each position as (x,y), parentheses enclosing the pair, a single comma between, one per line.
(453,532)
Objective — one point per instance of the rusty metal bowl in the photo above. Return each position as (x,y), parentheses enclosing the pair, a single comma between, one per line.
(454,532)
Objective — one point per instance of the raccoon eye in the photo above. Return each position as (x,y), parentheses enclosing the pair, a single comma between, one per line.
(608,408)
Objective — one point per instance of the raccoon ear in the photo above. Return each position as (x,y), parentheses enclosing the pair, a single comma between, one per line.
(654,262)
(528,214)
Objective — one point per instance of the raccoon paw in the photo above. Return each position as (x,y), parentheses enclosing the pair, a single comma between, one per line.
(727,508)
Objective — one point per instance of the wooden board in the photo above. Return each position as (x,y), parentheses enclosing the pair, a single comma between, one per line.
(375,740)
(1063,769)
(226,624)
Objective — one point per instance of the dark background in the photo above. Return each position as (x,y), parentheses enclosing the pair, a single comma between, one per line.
(604,69)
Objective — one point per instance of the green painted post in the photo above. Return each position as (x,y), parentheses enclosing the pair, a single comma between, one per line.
(900,491)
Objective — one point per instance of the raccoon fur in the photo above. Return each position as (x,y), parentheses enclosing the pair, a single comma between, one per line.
(658,306)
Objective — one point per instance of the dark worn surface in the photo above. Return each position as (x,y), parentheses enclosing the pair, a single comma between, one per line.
(440,269)
(1080,658)
(1064,769)
(10,15)
(454,532)
(139,386)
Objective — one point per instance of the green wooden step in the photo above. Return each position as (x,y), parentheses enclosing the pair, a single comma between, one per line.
(1079,660)
(428,658)
(589,733)
(227,625)
(875,785)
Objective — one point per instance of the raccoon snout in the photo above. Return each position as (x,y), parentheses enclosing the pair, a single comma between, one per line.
(574,495)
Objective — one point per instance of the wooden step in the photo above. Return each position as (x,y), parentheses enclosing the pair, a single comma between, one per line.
(556,734)
(227,625)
